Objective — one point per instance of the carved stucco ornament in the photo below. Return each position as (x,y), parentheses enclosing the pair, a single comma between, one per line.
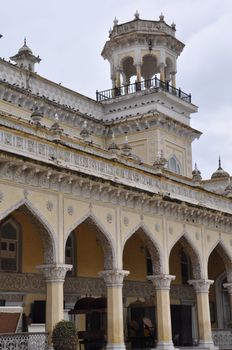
(114,278)
(54,272)
(201,286)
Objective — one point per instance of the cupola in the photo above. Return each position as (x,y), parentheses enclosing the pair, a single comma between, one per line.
(25,58)
(142,48)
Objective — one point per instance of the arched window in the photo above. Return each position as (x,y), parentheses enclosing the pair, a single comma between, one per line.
(70,253)
(9,246)
(185,267)
(174,165)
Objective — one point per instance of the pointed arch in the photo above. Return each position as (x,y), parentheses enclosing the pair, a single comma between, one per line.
(150,243)
(223,252)
(46,231)
(103,236)
(185,242)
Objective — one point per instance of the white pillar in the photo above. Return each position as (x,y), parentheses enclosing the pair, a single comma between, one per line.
(114,284)
(54,275)
(201,288)
(163,310)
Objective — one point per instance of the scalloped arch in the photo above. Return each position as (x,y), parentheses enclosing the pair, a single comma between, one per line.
(190,249)
(45,229)
(105,237)
(152,245)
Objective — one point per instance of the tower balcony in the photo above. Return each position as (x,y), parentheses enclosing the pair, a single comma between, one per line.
(154,85)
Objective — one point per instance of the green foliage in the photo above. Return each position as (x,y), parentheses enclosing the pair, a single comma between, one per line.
(64,336)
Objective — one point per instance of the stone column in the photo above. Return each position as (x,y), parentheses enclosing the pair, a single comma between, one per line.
(162,71)
(173,79)
(228,286)
(138,73)
(118,79)
(114,283)
(54,275)
(164,326)
(201,288)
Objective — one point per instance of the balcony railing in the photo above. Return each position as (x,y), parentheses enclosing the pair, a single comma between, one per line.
(222,338)
(154,84)
(24,341)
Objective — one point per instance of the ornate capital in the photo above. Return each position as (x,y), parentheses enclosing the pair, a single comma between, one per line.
(161,282)
(201,286)
(228,286)
(54,272)
(113,278)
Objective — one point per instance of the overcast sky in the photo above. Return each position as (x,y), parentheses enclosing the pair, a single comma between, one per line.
(69,36)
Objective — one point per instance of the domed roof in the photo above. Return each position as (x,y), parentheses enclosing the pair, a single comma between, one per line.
(220,173)
(25,48)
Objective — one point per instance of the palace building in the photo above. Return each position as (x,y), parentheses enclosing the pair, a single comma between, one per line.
(103,220)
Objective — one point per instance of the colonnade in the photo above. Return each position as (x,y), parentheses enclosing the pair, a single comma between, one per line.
(55,275)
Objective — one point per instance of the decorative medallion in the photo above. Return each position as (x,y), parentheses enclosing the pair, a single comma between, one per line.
(126,221)
(109,218)
(49,205)
(70,210)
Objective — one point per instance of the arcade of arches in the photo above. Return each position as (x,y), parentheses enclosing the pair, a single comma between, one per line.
(158,293)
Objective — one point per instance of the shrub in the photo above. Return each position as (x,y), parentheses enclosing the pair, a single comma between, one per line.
(64,336)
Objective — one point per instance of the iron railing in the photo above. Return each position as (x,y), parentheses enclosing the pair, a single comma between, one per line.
(24,341)
(154,84)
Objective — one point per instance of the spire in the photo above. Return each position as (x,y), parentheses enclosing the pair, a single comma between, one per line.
(161,17)
(136,14)
(113,147)
(196,174)
(25,41)
(85,133)
(115,22)
(126,147)
(219,163)
(56,129)
(160,161)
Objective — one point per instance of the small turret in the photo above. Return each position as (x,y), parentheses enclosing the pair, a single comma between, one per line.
(25,58)
(220,173)
(142,48)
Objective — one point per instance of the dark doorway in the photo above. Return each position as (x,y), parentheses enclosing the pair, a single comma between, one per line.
(182,325)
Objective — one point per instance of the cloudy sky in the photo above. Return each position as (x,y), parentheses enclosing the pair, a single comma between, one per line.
(69,36)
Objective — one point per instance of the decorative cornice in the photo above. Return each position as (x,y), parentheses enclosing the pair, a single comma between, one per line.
(201,286)
(161,282)
(113,278)
(54,272)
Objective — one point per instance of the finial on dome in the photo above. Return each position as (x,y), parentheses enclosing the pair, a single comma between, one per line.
(219,163)
(25,41)
(161,17)
(115,22)
(136,14)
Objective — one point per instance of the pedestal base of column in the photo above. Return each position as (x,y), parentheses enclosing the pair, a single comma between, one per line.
(115,347)
(165,346)
(203,345)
